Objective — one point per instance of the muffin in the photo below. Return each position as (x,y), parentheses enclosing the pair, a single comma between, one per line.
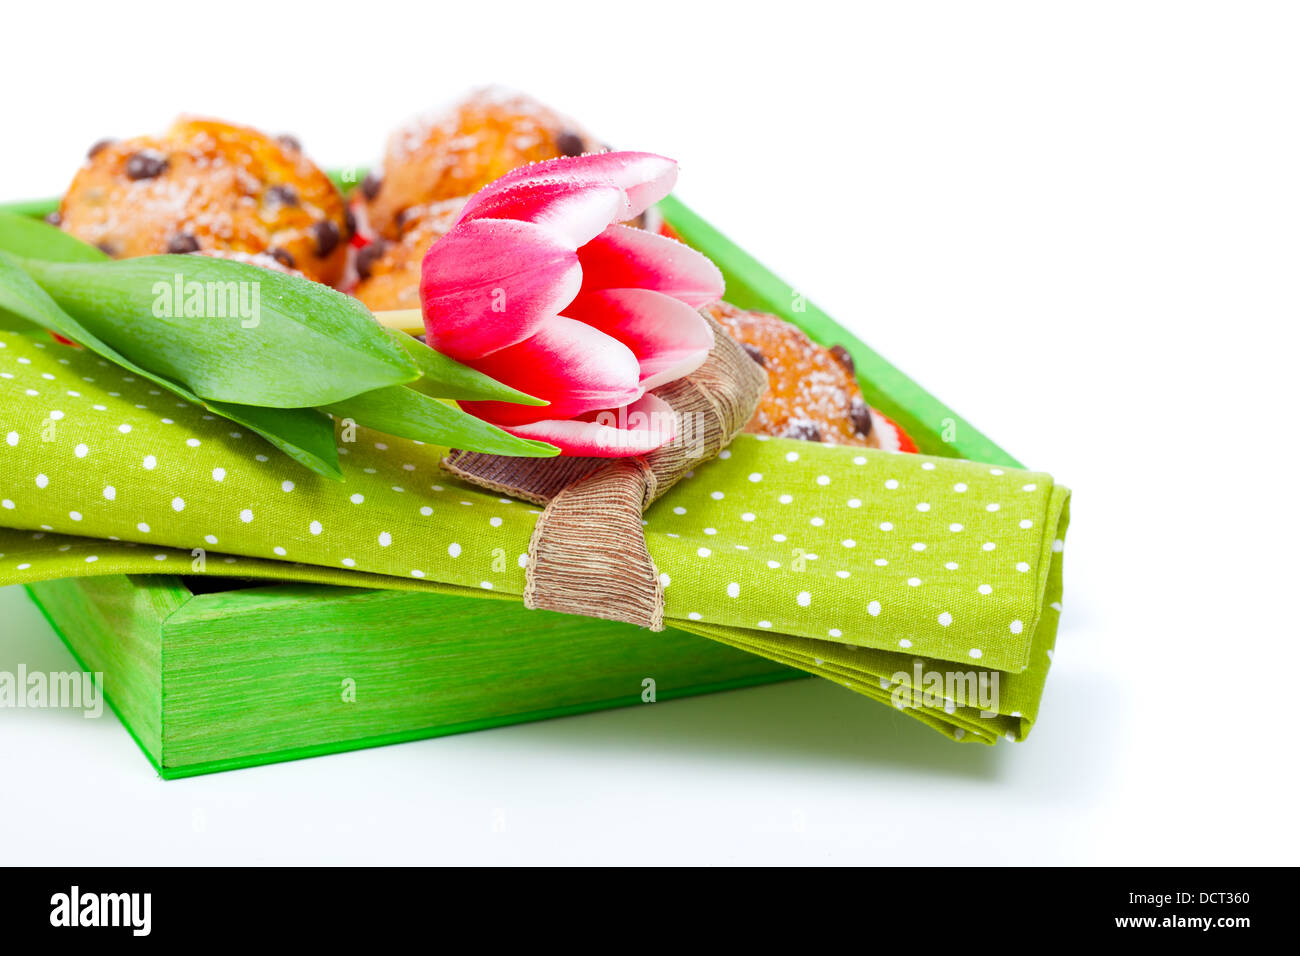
(206,185)
(813,392)
(459,151)
(388,270)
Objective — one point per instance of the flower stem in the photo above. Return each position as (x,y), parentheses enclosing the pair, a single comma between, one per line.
(404,320)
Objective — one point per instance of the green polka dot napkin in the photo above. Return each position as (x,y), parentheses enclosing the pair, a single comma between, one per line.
(929,583)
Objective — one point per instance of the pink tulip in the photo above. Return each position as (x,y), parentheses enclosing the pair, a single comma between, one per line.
(538,286)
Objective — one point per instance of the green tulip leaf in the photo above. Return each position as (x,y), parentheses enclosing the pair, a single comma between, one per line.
(304,434)
(443,377)
(404,412)
(24,236)
(230,331)
(261,351)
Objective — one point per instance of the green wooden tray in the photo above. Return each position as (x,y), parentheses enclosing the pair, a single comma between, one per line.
(209,680)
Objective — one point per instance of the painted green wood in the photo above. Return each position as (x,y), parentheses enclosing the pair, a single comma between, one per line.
(232,679)
(278,679)
(446,730)
(113,625)
(31,207)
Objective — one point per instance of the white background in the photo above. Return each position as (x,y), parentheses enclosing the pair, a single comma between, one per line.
(1078,224)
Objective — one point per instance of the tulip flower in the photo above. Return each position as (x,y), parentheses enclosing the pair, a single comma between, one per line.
(538,286)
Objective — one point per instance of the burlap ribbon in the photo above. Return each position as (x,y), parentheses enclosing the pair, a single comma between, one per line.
(588,553)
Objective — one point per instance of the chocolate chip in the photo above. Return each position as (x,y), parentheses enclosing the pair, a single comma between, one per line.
(570,143)
(401,217)
(107,246)
(327,237)
(755,353)
(283,257)
(370,186)
(98,146)
(54,218)
(146,164)
(350,222)
(804,431)
(282,195)
(368,255)
(860,415)
(182,243)
(844,358)
(289,142)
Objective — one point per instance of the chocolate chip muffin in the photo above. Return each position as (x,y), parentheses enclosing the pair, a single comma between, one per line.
(206,185)
(813,392)
(388,270)
(461,150)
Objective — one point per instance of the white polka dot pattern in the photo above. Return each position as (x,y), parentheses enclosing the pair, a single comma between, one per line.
(952,569)
(841,561)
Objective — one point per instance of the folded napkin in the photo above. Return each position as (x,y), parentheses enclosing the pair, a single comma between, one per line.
(933,584)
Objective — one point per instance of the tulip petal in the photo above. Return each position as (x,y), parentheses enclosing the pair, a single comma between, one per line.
(635,429)
(645,177)
(668,337)
(574,212)
(622,257)
(491,283)
(573,366)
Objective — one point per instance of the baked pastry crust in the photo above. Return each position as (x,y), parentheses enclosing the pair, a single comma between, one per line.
(813,393)
(389,269)
(210,185)
(457,152)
